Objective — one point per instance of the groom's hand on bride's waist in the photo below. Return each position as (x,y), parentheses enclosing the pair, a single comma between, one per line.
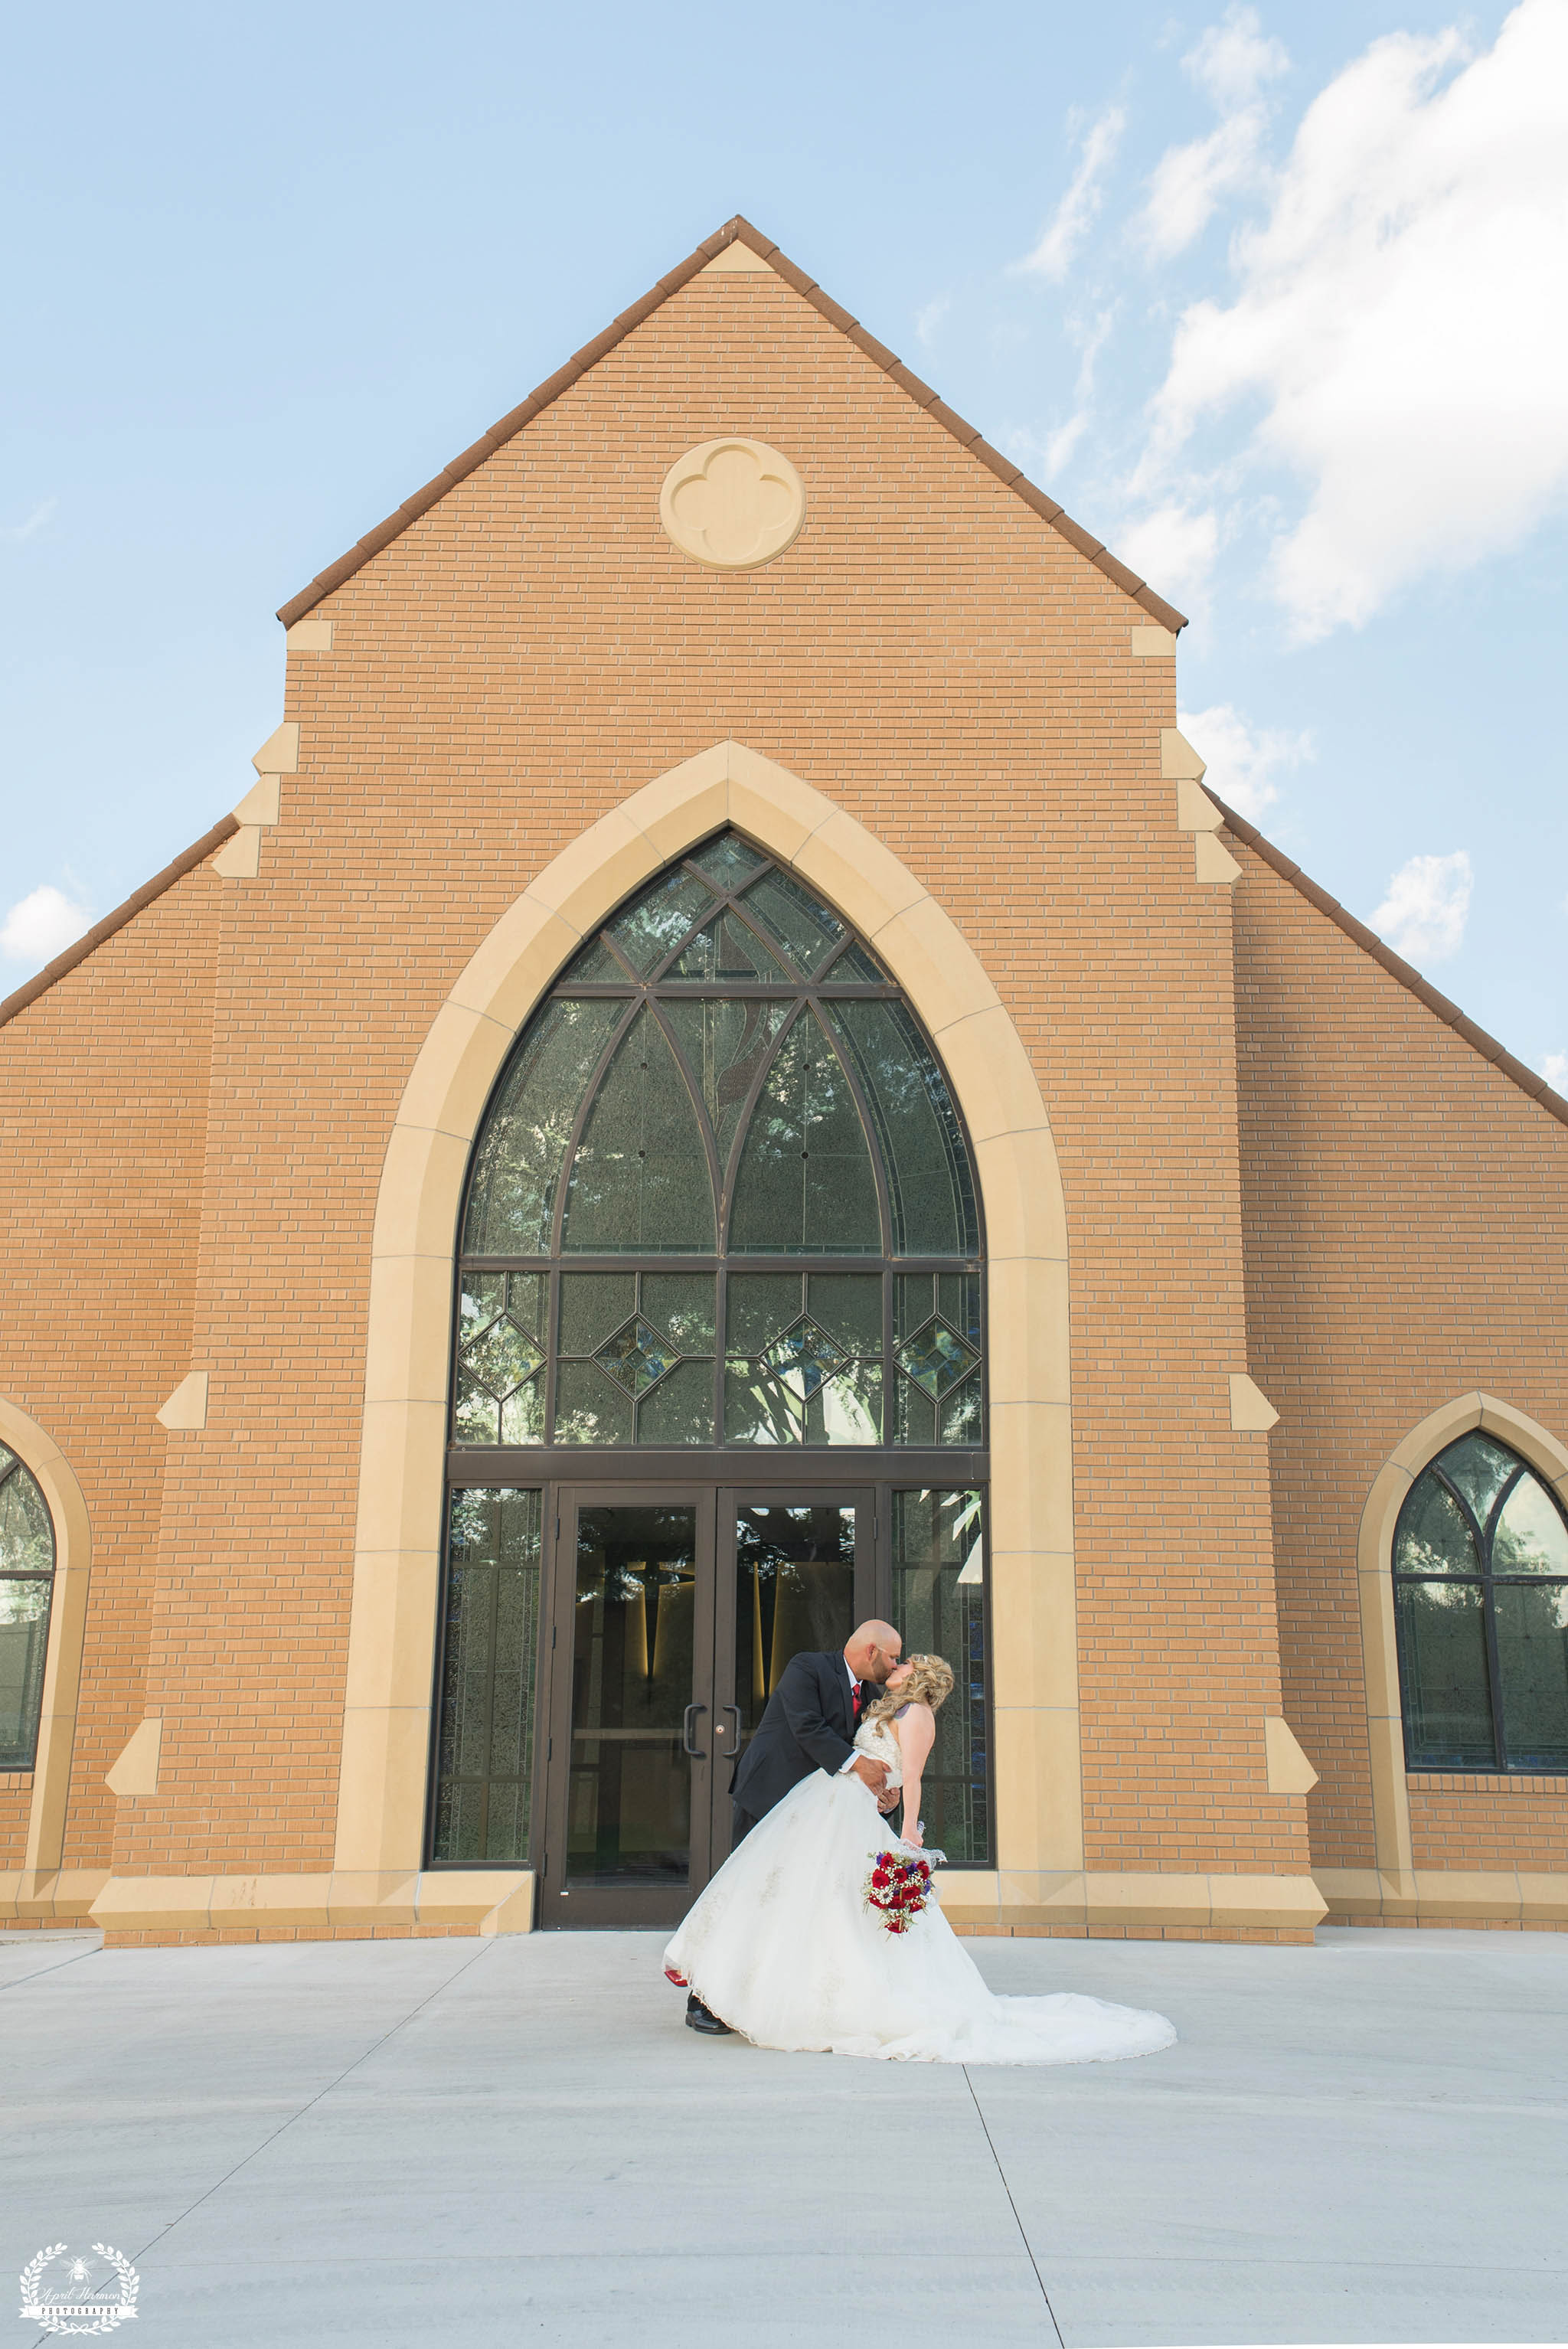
(874,1773)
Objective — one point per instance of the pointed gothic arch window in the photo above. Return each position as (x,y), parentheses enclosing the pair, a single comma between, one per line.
(1480,1588)
(722,1195)
(27,1586)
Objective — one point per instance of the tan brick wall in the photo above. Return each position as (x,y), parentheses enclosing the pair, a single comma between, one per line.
(1498,1822)
(102,1111)
(1406,1209)
(946,667)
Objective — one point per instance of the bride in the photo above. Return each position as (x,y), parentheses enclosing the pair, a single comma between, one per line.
(793,1945)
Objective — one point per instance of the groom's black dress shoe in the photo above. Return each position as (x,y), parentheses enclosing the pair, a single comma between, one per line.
(699,2018)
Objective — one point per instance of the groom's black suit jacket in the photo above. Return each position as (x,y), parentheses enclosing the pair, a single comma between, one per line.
(809,1724)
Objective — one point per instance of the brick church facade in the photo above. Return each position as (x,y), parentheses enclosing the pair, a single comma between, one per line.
(1224,1421)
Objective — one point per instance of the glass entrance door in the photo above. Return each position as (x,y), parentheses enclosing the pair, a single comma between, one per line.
(672,1614)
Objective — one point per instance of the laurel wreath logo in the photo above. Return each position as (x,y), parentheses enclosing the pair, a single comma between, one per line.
(55,2317)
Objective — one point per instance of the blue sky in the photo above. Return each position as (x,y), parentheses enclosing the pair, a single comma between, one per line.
(1275,301)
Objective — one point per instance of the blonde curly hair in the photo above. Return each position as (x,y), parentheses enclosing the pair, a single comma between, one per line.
(930,1682)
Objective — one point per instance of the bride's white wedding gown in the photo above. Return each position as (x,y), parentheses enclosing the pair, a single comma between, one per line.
(782,1947)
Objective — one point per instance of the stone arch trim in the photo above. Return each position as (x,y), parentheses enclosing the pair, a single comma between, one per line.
(1394,1888)
(397,1574)
(38,1890)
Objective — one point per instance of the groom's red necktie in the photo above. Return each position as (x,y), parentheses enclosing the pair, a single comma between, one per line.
(855,1699)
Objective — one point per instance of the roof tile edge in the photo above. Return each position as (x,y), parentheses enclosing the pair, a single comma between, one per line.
(1527,1079)
(40,983)
(737,231)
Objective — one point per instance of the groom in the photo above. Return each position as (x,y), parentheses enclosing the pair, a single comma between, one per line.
(809,1724)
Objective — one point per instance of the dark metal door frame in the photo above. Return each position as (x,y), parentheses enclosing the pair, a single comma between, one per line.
(628,1907)
(869,1596)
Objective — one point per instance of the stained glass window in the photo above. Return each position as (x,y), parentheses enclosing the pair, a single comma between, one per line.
(722,1195)
(489,1640)
(1480,1590)
(939,1606)
(27,1584)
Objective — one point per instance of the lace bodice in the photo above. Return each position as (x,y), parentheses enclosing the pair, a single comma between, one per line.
(876,1738)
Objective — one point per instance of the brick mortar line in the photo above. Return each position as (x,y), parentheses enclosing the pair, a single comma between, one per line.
(739,230)
(1527,1079)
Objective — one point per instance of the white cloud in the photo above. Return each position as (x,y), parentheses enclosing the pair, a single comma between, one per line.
(1174,549)
(1554,1069)
(927,320)
(1402,316)
(1243,760)
(39,519)
(1074,216)
(1424,914)
(1231,64)
(42,925)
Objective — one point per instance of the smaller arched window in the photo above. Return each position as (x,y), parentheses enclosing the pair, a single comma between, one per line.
(1480,1589)
(26,1582)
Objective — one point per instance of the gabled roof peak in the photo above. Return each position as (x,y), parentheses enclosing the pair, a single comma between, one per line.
(735,233)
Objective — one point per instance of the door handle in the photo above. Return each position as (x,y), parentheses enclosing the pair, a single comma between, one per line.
(735,1747)
(686,1727)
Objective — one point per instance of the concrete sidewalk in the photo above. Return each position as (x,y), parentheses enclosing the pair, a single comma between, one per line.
(493,2142)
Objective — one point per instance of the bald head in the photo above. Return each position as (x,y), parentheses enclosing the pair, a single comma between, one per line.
(873,1650)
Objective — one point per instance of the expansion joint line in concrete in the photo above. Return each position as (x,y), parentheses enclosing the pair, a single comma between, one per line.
(311,2102)
(39,1972)
(1023,2237)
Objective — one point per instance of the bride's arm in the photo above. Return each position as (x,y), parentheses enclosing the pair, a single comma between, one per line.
(917,1734)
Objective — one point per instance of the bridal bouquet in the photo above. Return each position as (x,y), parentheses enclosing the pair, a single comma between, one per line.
(898,1888)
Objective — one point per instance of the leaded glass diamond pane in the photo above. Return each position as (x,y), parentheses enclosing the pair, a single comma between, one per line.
(27,1532)
(24,1639)
(681,1304)
(854,963)
(597,965)
(1433,1537)
(476,1414)
(637,1356)
(522,1415)
(922,1146)
(592,1307)
(503,1357)
(1481,1469)
(757,1409)
(484,1741)
(660,919)
(960,1418)
(483,1296)
(914,1414)
(511,1192)
(805,1184)
(848,1306)
(938,1605)
(640,1183)
(726,1045)
(727,949)
(729,861)
(679,1410)
(804,1357)
(848,1408)
(802,923)
(1531,1537)
(1533,1655)
(590,1407)
(760,1305)
(936,1360)
(1447,1703)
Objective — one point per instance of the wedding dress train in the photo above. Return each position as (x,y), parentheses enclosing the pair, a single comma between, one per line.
(783,1948)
